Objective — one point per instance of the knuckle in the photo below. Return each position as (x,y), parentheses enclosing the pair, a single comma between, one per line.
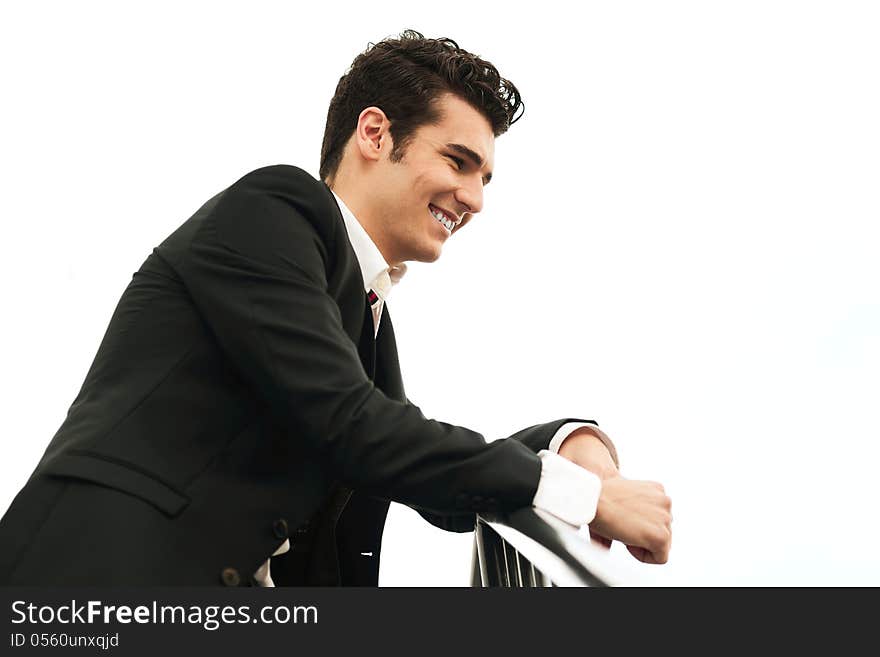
(660,538)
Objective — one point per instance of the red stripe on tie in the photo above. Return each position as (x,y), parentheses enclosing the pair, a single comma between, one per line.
(372,297)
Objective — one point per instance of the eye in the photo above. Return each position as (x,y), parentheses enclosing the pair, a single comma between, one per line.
(458,161)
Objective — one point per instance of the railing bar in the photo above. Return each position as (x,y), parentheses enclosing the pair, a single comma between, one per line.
(496,559)
(487,547)
(506,579)
(478,561)
(512,570)
(523,564)
(485,555)
(498,552)
(545,581)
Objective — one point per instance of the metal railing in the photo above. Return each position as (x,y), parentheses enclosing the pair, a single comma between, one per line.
(531,548)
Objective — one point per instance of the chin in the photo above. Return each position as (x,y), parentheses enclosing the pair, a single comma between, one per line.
(430,254)
(423,257)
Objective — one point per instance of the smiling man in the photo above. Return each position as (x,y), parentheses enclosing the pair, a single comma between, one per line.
(246,401)
(409,207)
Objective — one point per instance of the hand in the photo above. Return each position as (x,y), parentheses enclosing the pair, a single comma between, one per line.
(638,514)
(585,448)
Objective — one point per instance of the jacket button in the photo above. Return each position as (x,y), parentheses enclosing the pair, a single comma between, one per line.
(279,528)
(230,577)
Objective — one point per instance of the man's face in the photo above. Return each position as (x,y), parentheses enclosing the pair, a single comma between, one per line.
(444,169)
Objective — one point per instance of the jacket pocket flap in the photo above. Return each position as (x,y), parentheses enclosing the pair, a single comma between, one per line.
(120,476)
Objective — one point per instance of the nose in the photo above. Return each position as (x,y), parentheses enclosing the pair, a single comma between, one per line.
(470,195)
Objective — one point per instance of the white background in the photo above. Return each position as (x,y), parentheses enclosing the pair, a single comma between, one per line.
(679,241)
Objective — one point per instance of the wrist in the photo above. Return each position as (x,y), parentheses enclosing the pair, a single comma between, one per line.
(579,439)
(589,451)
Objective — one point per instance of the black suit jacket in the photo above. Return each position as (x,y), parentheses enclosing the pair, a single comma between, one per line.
(238,398)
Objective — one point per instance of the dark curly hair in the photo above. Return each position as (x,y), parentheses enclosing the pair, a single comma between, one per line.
(404,77)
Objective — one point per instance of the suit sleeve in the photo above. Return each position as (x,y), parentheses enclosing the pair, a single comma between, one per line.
(537,438)
(256,271)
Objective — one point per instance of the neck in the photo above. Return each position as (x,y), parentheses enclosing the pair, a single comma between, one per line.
(356,200)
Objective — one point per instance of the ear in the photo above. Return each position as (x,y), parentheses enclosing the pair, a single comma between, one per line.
(372,135)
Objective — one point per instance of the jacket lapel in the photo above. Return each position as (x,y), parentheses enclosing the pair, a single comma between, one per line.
(387,376)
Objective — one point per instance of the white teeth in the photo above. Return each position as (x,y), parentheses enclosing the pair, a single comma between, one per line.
(439,216)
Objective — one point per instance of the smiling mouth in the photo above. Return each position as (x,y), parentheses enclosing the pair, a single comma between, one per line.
(441,217)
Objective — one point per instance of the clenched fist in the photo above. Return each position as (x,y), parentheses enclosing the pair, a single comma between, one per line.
(638,514)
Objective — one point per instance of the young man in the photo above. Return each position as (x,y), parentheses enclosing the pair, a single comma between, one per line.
(246,400)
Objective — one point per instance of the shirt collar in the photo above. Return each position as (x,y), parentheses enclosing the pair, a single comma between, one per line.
(377,274)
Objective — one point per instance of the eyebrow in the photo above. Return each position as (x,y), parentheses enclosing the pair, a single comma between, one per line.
(471,155)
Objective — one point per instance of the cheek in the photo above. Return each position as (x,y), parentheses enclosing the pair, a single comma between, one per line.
(418,185)
(436,180)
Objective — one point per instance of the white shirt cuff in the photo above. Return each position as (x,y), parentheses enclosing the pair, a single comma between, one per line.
(568,491)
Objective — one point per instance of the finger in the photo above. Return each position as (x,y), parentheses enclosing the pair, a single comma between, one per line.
(637,552)
(644,555)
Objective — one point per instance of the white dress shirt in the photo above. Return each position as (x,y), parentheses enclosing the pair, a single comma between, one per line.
(565,489)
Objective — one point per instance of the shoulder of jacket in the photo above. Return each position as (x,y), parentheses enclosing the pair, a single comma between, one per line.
(284,179)
(276,214)
(283,175)
(310,197)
